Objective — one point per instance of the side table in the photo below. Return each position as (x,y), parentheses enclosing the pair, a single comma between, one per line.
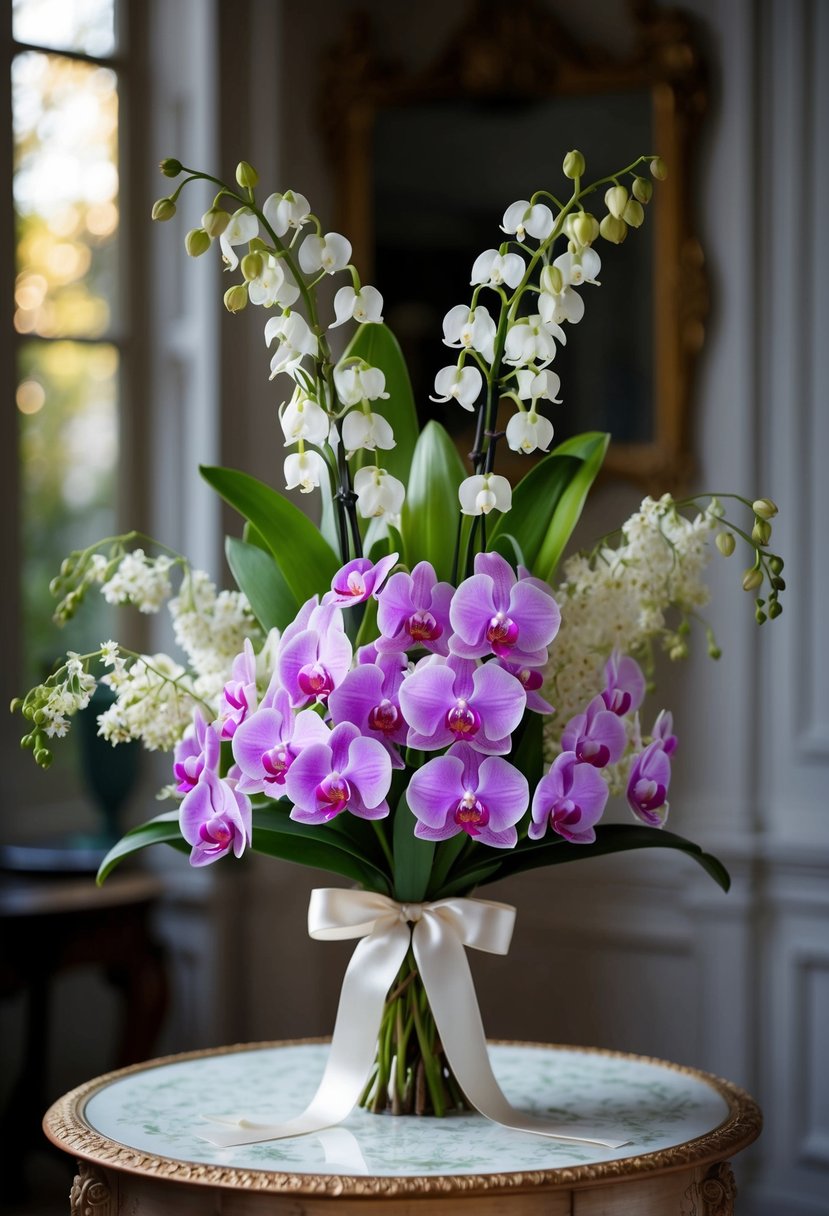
(135,1135)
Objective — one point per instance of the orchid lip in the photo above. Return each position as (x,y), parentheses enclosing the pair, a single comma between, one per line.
(463,721)
(333,794)
(422,627)
(590,752)
(276,764)
(315,681)
(502,633)
(384,717)
(471,814)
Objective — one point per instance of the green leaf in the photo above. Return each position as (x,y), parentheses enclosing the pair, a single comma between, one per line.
(259,577)
(528,750)
(506,544)
(547,503)
(306,560)
(323,847)
(412,857)
(610,838)
(446,854)
(379,347)
(163,829)
(430,512)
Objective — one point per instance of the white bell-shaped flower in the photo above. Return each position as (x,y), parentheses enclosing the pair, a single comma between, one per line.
(461,384)
(581,267)
(528,431)
(531,341)
(379,495)
(525,220)
(304,418)
(494,269)
(355,384)
(295,341)
(533,384)
(243,227)
(303,470)
(275,285)
(284,211)
(472,328)
(330,253)
(365,305)
(558,301)
(484,492)
(369,431)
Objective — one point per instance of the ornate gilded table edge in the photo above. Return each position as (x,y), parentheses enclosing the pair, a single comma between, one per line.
(65,1126)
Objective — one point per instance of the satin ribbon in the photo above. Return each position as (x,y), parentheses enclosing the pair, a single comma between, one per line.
(438,934)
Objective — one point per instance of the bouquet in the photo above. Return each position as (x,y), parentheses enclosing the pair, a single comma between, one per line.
(411,691)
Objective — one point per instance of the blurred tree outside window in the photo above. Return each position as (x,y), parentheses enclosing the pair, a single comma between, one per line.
(68,287)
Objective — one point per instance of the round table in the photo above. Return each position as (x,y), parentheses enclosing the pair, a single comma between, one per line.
(136,1136)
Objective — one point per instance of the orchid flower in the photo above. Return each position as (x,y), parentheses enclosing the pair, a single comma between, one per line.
(196,751)
(304,418)
(531,679)
(369,697)
(303,471)
(295,341)
(414,611)
(461,384)
(365,305)
(284,211)
(314,660)
(528,431)
(242,228)
(366,431)
(647,787)
(215,819)
(359,580)
(379,495)
(525,219)
(275,285)
(484,492)
(484,796)
(348,772)
(493,612)
(269,741)
(355,384)
(570,799)
(624,688)
(454,700)
(239,697)
(494,269)
(596,737)
(330,253)
(470,328)
(530,340)
(663,731)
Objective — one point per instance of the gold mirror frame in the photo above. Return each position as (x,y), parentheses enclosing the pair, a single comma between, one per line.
(523,52)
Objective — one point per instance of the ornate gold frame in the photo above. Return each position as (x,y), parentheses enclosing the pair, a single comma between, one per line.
(66,1127)
(522,51)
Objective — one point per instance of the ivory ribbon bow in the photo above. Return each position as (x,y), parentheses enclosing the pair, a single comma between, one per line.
(438,934)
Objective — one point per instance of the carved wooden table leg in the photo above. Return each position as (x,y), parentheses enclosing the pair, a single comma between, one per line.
(91,1193)
(718,1190)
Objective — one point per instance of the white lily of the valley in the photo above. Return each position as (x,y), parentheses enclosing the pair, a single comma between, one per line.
(461,384)
(303,470)
(530,340)
(528,431)
(275,285)
(368,431)
(472,328)
(243,227)
(525,220)
(284,211)
(579,267)
(304,418)
(355,384)
(379,495)
(295,341)
(532,385)
(495,269)
(330,253)
(365,305)
(484,492)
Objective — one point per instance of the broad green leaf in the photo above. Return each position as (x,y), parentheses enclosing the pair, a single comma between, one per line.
(379,347)
(528,750)
(259,577)
(506,544)
(163,829)
(307,561)
(328,515)
(462,884)
(277,835)
(547,503)
(446,854)
(412,857)
(430,512)
(251,536)
(610,838)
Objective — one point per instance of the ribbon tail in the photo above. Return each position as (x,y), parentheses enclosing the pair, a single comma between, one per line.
(369,976)
(444,968)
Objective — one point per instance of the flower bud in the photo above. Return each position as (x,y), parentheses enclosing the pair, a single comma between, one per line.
(252,266)
(551,280)
(633,214)
(659,169)
(585,228)
(760,617)
(779,584)
(752,579)
(215,221)
(714,652)
(246,175)
(163,209)
(170,167)
(613,229)
(761,532)
(765,508)
(196,242)
(616,200)
(775,609)
(642,189)
(236,297)
(573,164)
(776,564)
(726,543)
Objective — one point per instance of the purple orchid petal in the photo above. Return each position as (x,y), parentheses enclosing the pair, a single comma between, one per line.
(537,615)
(358,580)
(470,611)
(597,736)
(214,819)
(368,771)
(624,684)
(507,838)
(498,569)
(306,774)
(499,698)
(448,829)
(531,680)
(663,730)
(434,789)
(647,788)
(426,696)
(340,741)
(504,790)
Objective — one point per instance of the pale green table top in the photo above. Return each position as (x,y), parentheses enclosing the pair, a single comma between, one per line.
(155,1113)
